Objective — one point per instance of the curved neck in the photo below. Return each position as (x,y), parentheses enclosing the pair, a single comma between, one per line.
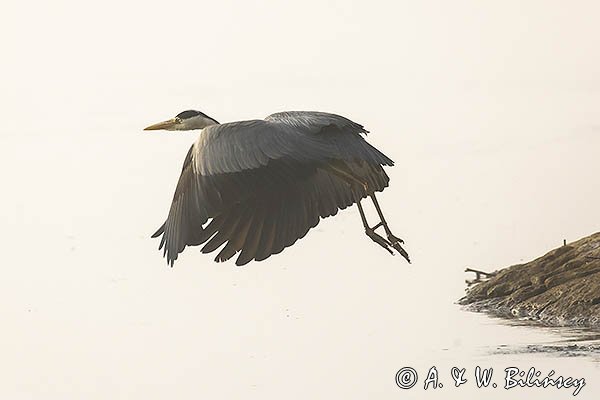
(199,122)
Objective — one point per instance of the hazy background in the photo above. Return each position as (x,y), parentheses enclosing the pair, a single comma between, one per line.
(491,111)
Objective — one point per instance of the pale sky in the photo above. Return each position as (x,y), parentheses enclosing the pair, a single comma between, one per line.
(491,111)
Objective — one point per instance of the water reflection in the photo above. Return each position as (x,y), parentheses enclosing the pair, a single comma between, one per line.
(569,341)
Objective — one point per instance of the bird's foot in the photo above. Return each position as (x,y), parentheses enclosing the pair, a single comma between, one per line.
(401,250)
(395,243)
(379,239)
(393,239)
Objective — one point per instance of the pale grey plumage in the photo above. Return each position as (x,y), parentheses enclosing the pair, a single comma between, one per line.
(301,136)
(265,183)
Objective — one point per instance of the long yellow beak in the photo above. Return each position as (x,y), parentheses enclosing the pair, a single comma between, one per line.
(162,125)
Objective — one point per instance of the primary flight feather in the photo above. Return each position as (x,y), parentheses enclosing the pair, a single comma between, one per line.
(256,187)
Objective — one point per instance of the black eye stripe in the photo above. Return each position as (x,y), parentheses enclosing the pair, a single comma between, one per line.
(189,114)
(192,113)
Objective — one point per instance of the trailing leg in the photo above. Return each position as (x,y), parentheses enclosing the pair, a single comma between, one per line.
(393,240)
(371,231)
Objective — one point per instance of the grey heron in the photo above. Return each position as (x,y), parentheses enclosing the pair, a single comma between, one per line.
(263,184)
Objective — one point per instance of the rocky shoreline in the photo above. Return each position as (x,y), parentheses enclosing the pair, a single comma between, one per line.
(561,288)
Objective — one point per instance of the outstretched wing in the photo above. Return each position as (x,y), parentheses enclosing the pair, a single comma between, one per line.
(303,136)
(265,183)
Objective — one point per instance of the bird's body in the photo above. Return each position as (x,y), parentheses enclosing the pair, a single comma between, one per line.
(258,186)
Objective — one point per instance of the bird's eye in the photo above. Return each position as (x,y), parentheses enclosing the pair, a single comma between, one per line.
(178,120)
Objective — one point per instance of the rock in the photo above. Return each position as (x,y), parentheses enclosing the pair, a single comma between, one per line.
(559,288)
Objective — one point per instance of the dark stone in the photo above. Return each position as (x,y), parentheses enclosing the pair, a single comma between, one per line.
(559,288)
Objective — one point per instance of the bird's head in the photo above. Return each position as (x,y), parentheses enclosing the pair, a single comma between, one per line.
(184,121)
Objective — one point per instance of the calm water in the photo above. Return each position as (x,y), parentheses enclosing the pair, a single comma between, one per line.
(91,309)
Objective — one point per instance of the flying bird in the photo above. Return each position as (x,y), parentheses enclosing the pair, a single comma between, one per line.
(263,184)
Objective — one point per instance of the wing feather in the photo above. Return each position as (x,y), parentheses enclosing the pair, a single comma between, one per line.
(302,136)
(253,237)
(265,184)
